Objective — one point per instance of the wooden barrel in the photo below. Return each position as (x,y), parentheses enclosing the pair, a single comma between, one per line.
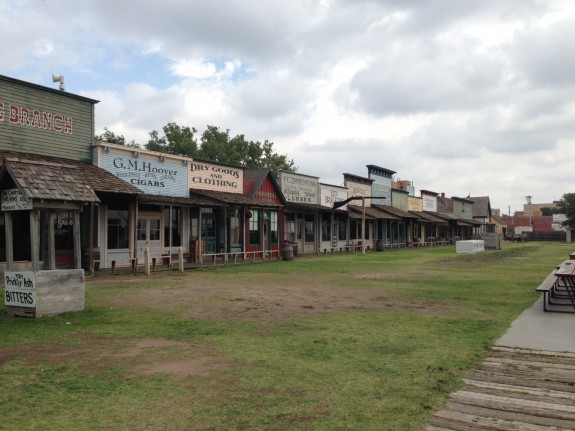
(287,251)
(380,245)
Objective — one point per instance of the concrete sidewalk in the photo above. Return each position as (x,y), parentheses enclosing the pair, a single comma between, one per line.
(538,330)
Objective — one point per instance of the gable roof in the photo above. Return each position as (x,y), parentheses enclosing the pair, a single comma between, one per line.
(481,206)
(49,181)
(254,180)
(51,178)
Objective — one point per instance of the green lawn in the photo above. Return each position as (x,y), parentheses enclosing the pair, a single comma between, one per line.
(336,342)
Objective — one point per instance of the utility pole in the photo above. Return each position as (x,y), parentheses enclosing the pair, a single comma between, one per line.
(530,211)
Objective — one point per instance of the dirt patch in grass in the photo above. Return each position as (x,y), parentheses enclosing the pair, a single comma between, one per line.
(254,298)
(265,301)
(138,356)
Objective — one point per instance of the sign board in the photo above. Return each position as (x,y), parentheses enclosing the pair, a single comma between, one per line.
(14,200)
(40,120)
(151,173)
(429,203)
(415,204)
(356,188)
(220,178)
(20,289)
(301,189)
(332,194)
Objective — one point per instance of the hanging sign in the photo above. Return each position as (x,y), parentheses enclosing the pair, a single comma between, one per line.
(14,200)
(20,289)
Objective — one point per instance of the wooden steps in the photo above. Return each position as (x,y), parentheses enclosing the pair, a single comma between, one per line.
(513,389)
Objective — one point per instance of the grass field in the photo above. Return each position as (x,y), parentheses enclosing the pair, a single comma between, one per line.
(337,342)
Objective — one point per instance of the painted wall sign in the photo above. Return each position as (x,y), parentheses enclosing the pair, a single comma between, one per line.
(381,186)
(14,200)
(415,204)
(20,289)
(31,117)
(300,188)
(148,172)
(207,176)
(332,194)
(358,189)
(429,203)
(40,120)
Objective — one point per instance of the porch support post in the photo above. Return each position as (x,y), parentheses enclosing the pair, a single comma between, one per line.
(35,252)
(226,234)
(51,255)
(9,241)
(77,242)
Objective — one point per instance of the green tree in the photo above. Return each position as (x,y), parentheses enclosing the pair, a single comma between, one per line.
(567,206)
(176,140)
(111,138)
(217,146)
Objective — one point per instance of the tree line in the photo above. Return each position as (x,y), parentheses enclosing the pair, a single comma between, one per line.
(214,145)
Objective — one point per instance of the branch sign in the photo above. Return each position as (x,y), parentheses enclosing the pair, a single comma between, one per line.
(20,289)
(14,200)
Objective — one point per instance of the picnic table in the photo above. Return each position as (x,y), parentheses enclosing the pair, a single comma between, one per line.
(559,288)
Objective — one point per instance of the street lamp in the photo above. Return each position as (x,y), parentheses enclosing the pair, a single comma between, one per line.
(339,204)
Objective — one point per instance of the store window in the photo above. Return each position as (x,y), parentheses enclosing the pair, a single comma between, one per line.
(308,226)
(176,227)
(290,227)
(254,227)
(64,232)
(274,228)
(354,225)
(118,227)
(326,227)
(2,238)
(235,229)
(21,235)
(342,228)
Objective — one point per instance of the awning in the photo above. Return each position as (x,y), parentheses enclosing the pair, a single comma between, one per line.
(356,212)
(426,217)
(180,201)
(231,198)
(464,223)
(396,212)
(372,212)
(61,182)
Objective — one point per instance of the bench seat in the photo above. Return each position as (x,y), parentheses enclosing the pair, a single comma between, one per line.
(555,297)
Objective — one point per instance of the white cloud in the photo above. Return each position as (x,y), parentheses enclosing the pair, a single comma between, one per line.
(460,97)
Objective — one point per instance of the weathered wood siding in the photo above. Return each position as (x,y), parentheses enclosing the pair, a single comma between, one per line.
(513,389)
(59,291)
(66,131)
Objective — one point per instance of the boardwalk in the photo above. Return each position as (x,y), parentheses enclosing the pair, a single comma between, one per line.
(513,389)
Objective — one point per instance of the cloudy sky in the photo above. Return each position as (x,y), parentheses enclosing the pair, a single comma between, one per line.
(461,97)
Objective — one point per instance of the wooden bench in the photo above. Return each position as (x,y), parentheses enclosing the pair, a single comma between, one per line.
(187,257)
(558,292)
(132,263)
(548,287)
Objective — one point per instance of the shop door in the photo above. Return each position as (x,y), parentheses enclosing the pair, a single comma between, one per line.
(209,232)
(266,234)
(64,240)
(300,235)
(148,234)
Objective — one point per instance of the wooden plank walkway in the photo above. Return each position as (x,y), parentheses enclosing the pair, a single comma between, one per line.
(513,389)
